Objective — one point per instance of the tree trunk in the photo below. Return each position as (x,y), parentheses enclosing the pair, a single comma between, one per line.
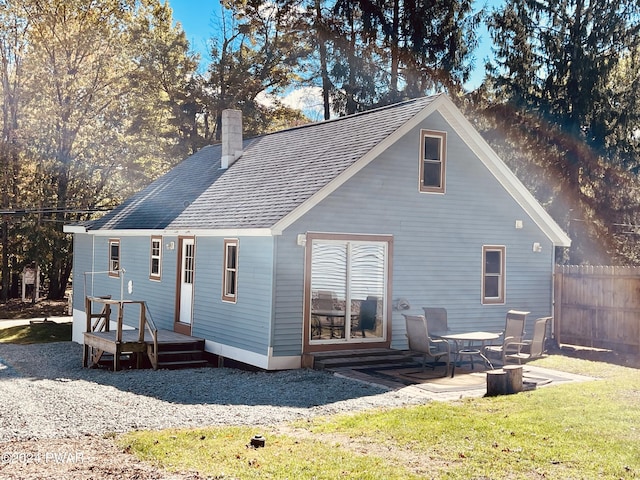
(6,273)
(350,88)
(324,73)
(395,50)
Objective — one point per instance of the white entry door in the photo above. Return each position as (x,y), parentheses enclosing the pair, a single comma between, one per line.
(187,259)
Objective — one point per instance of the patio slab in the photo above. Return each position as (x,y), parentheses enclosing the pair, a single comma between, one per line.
(432,384)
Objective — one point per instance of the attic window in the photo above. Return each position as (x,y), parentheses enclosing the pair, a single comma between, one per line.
(433,147)
(114,257)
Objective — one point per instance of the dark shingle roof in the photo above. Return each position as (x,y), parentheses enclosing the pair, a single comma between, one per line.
(275,174)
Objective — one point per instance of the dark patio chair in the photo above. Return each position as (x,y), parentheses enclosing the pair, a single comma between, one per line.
(368,313)
(439,351)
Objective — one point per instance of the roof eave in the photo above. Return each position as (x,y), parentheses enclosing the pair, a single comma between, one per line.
(503,174)
(358,165)
(187,231)
(74,229)
(474,141)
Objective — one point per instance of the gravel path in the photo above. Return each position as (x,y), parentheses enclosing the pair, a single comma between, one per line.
(45,394)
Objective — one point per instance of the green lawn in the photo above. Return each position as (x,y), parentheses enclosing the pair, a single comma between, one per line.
(570,431)
(40,332)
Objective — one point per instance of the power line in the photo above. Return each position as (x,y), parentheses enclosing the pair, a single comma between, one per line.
(30,211)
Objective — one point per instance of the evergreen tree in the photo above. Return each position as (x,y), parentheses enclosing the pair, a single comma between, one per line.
(563,85)
(555,59)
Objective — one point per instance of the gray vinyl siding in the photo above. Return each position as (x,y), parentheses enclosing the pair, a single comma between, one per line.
(437,242)
(289,293)
(82,262)
(134,259)
(245,324)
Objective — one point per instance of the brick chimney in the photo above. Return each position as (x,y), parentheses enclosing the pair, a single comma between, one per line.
(231,137)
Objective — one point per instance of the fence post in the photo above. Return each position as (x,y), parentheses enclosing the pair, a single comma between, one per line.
(557,303)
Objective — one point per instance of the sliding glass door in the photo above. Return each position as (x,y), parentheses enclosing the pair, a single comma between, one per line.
(348,290)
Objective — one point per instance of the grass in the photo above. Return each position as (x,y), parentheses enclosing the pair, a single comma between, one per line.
(41,332)
(571,431)
(225,453)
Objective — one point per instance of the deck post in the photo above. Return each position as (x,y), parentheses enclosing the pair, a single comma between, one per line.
(85,349)
(116,355)
(107,317)
(119,327)
(141,326)
(141,332)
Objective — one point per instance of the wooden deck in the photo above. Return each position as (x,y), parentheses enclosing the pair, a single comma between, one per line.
(131,336)
(174,349)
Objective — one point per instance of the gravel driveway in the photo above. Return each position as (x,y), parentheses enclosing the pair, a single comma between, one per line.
(46,393)
(55,414)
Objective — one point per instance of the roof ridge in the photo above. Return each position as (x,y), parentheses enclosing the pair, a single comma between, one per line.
(354,115)
(333,120)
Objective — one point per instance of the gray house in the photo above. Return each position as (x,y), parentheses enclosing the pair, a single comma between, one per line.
(318,237)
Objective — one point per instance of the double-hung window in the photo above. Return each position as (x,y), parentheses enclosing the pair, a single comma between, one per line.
(155,262)
(433,147)
(230,271)
(493,274)
(114,257)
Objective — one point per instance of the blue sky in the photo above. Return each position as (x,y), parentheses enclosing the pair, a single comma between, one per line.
(196,17)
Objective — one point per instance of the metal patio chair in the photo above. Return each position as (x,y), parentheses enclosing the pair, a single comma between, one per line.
(439,351)
(511,336)
(529,349)
(436,320)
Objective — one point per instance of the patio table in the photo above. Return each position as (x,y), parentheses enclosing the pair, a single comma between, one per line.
(471,339)
(332,315)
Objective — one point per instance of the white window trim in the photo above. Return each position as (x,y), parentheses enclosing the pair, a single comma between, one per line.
(226,296)
(158,275)
(114,272)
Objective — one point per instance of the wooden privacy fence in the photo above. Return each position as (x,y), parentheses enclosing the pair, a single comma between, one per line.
(598,307)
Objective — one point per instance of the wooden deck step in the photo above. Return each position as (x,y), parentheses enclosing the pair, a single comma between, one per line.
(174,350)
(357,358)
(183,364)
(189,358)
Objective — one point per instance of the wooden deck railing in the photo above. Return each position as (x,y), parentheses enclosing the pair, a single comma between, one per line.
(147,323)
(101,322)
